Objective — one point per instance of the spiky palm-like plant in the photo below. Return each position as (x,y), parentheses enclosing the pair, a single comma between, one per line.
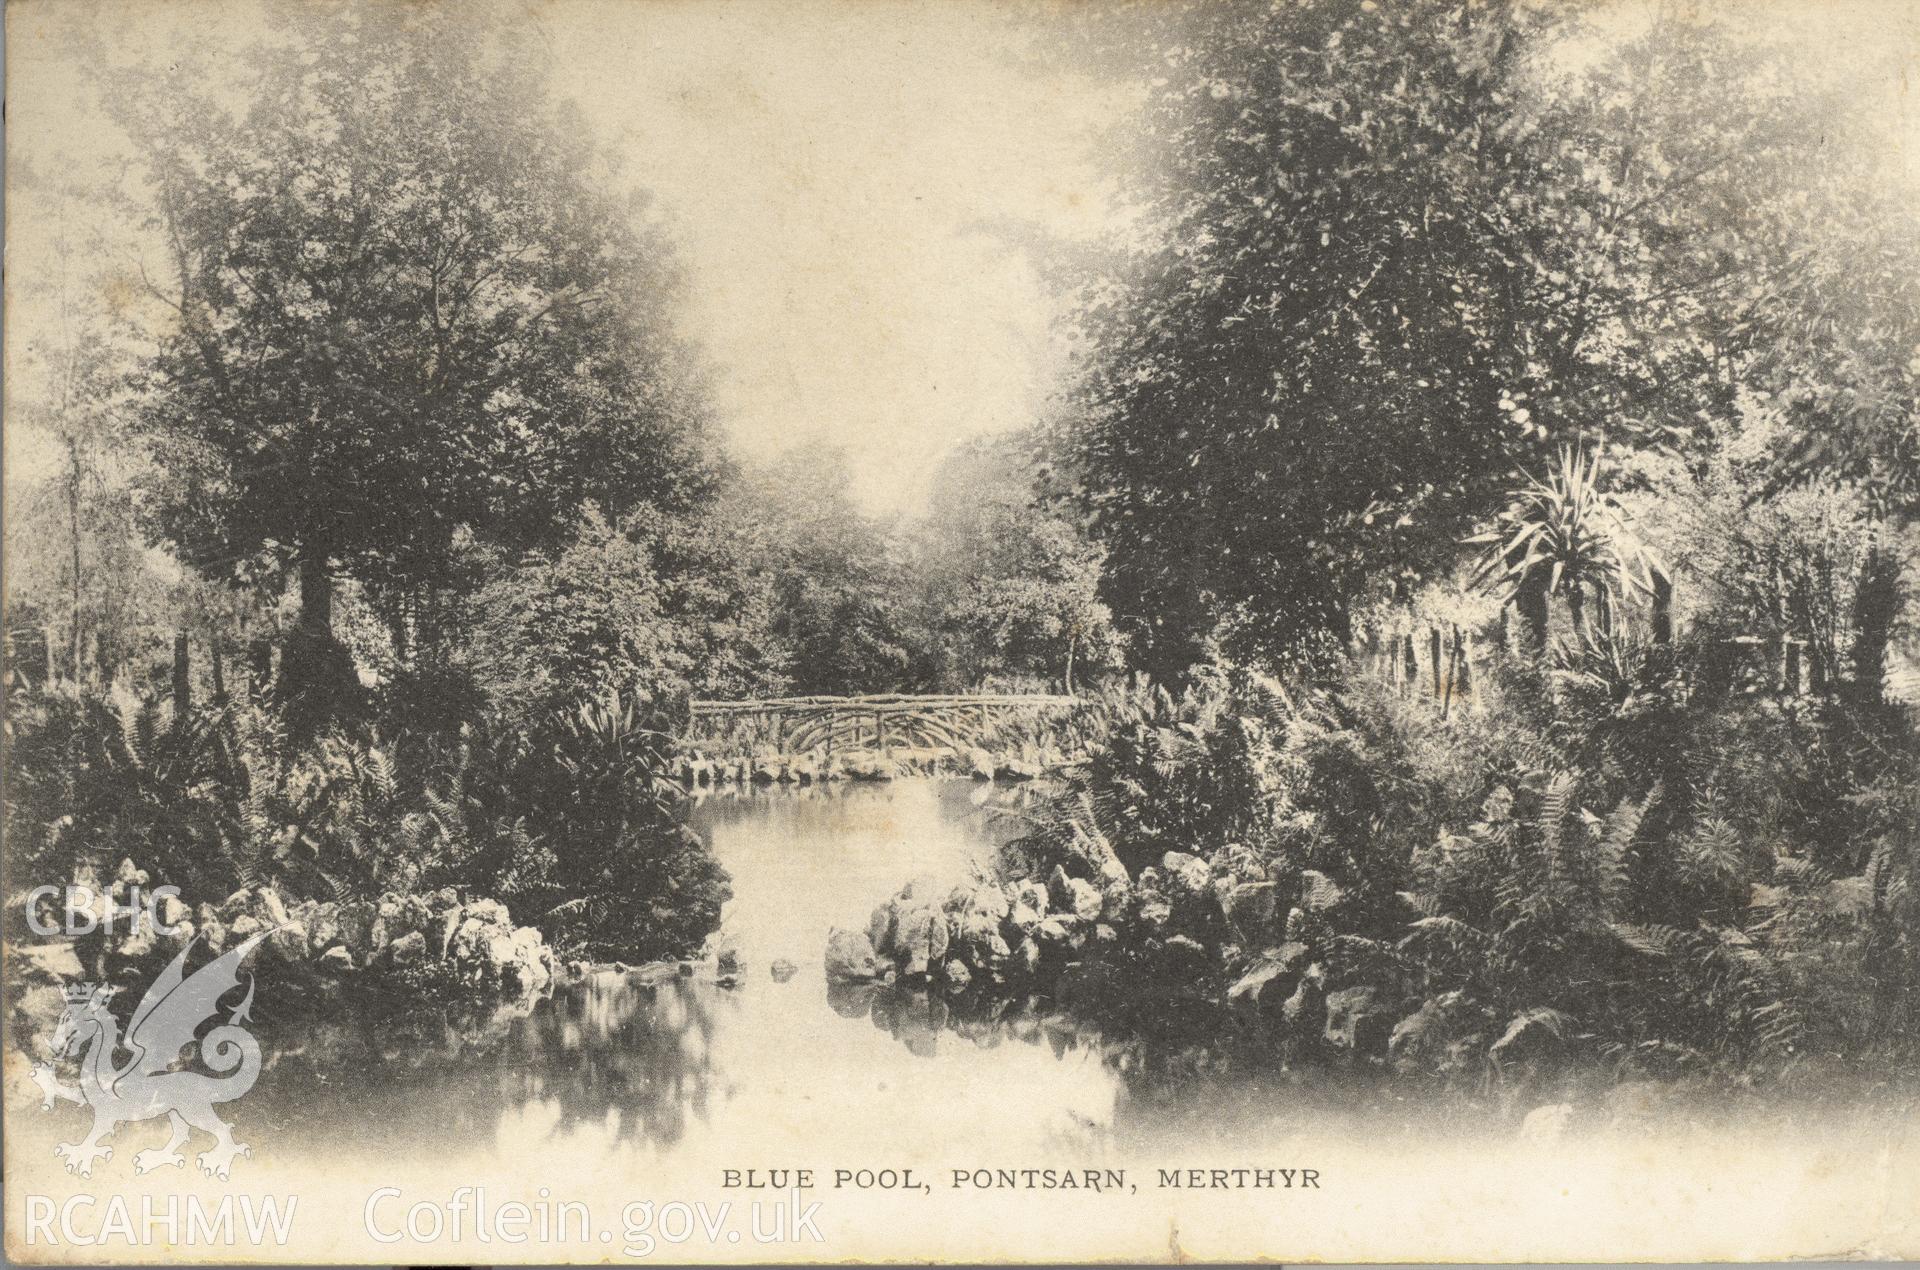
(1563,536)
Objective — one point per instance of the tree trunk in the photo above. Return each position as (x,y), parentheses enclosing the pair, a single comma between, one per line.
(1577,611)
(1662,609)
(1875,605)
(1072,640)
(182,682)
(215,654)
(1433,652)
(1531,603)
(316,599)
(73,525)
(317,679)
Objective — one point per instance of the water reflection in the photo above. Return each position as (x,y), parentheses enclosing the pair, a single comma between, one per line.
(670,1065)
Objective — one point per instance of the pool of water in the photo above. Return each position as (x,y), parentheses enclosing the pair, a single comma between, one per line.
(683,1070)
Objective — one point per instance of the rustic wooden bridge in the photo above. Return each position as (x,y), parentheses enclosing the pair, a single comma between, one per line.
(798,725)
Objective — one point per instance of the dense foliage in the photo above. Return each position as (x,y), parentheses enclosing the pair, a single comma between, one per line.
(1393,253)
(1601,867)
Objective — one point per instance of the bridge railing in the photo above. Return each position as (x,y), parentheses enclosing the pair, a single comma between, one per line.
(875,721)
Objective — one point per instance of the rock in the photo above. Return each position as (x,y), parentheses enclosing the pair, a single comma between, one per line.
(442,900)
(1185,873)
(979,765)
(1031,894)
(529,964)
(490,912)
(269,908)
(920,940)
(355,924)
(880,928)
(1251,908)
(1054,930)
(213,931)
(1306,1010)
(1546,1124)
(171,911)
(1156,913)
(288,942)
(863,765)
(783,970)
(973,932)
(1084,900)
(1073,895)
(237,905)
(448,927)
(243,928)
(407,950)
(336,960)
(849,956)
(1270,979)
(1027,957)
(1018,769)
(323,926)
(140,942)
(958,976)
(1058,897)
(991,901)
(1358,1022)
(1024,920)
(499,952)
(727,960)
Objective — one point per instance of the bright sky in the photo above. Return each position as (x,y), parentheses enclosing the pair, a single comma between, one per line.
(841,176)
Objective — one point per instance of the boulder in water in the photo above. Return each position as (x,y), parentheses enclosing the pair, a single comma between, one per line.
(849,956)
(920,939)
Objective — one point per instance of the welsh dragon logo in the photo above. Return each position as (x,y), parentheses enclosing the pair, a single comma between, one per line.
(145,1086)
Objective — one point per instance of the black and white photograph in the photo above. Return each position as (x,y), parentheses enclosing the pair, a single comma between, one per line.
(969,632)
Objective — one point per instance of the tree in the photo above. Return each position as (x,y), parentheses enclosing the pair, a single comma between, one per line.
(1009,581)
(74,552)
(839,586)
(1392,254)
(1309,382)
(406,310)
